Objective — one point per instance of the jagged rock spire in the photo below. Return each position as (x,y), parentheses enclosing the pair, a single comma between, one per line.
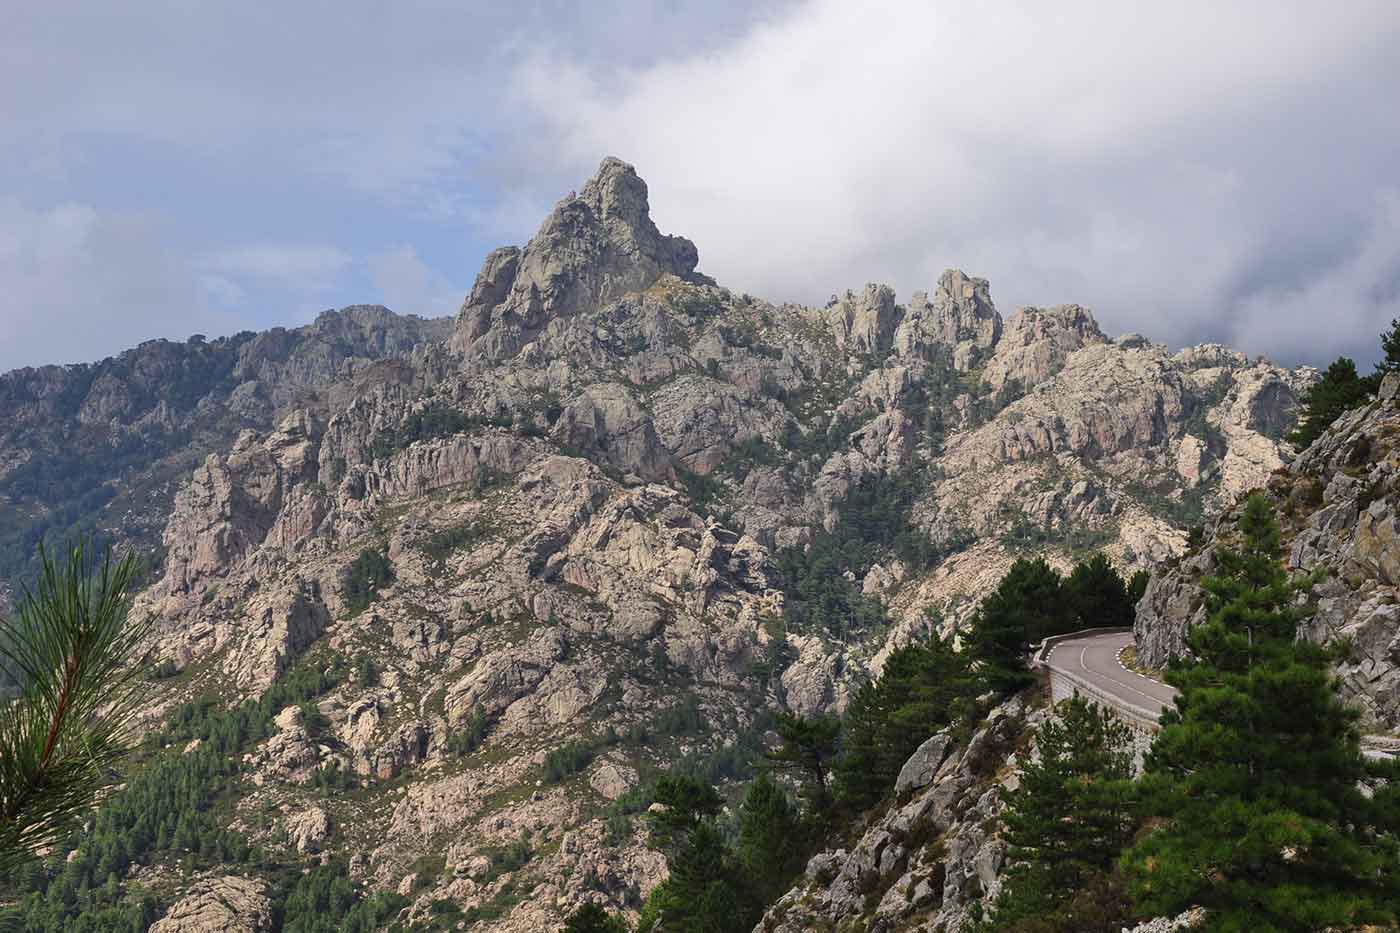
(595,246)
(961,316)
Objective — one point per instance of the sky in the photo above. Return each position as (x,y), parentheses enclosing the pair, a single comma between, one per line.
(1193,171)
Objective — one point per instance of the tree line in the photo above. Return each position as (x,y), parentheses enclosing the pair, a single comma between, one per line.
(1255,802)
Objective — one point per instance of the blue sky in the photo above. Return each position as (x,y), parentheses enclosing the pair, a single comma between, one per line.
(1187,171)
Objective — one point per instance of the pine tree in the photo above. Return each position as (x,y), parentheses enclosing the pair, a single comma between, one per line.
(1098,595)
(1258,774)
(921,689)
(705,891)
(1026,606)
(1339,389)
(75,655)
(1069,817)
(1390,346)
(771,839)
(809,747)
(1137,587)
(1072,812)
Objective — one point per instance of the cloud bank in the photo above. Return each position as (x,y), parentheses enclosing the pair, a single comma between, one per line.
(1193,171)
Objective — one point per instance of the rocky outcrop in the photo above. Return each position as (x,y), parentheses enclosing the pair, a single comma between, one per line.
(594,247)
(233,503)
(1036,342)
(863,323)
(219,905)
(1337,503)
(960,320)
(932,856)
(608,422)
(308,830)
(106,444)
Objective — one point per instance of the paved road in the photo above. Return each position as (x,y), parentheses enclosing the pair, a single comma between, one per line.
(1095,659)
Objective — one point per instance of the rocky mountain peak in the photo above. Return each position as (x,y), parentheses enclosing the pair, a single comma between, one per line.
(637,512)
(960,316)
(1036,342)
(595,246)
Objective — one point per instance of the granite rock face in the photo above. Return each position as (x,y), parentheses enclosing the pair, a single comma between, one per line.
(935,853)
(219,905)
(594,247)
(107,444)
(1336,502)
(581,508)
(1035,344)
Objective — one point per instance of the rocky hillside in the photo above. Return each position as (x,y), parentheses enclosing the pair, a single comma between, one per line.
(1337,504)
(934,855)
(620,515)
(103,446)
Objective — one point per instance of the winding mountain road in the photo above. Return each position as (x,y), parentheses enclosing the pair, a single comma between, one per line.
(1091,661)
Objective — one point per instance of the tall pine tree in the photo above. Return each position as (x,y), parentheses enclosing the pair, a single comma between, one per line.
(1098,594)
(921,689)
(1028,605)
(1257,773)
(809,747)
(772,839)
(1390,347)
(706,890)
(1069,816)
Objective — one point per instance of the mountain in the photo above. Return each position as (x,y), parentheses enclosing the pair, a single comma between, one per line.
(102,447)
(487,589)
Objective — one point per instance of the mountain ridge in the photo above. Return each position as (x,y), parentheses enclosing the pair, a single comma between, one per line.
(619,517)
(148,411)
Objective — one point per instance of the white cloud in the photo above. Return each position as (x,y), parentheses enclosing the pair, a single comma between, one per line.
(80,284)
(406,284)
(1178,167)
(310,268)
(1347,304)
(394,101)
(1149,160)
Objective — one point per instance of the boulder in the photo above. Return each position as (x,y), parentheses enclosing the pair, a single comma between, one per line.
(219,905)
(919,770)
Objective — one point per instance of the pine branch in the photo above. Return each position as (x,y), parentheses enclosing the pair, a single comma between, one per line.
(75,655)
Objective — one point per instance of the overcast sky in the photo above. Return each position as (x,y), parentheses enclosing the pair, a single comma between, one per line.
(1193,171)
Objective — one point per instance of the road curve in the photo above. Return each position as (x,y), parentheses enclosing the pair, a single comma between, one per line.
(1094,658)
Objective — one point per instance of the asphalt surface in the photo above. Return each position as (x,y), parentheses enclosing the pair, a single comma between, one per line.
(1095,659)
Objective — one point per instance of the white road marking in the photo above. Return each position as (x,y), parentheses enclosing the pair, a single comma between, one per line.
(1084,666)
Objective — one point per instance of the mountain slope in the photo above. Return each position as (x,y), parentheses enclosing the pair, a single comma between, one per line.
(620,515)
(1336,503)
(101,446)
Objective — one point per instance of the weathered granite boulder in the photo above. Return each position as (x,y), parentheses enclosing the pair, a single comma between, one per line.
(219,905)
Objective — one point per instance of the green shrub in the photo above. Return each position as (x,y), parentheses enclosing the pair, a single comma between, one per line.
(434,421)
(567,760)
(369,571)
(441,544)
(469,736)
